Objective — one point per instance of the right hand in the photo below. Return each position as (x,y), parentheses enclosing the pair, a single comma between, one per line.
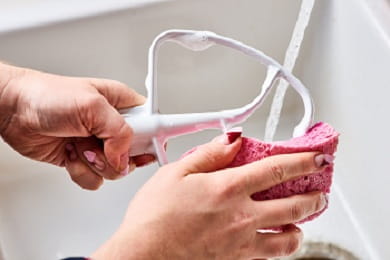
(196,209)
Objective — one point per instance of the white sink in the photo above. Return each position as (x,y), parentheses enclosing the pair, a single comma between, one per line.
(344,62)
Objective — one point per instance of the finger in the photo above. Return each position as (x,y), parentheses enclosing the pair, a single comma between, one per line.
(116,132)
(212,156)
(90,151)
(279,212)
(81,173)
(273,170)
(143,160)
(103,120)
(117,94)
(269,245)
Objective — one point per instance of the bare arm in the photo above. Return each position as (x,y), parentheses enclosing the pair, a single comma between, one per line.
(196,209)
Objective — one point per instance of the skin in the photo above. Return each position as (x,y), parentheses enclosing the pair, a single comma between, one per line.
(190,209)
(195,209)
(55,119)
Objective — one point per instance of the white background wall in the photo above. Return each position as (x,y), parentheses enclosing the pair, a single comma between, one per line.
(43,215)
(19,14)
(344,63)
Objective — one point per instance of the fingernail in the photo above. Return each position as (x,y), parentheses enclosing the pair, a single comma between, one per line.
(90,156)
(233,134)
(99,164)
(125,171)
(329,158)
(230,136)
(132,165)
(324,200)
(323,160)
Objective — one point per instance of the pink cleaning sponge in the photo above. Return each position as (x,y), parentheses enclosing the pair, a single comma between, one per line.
(320,137)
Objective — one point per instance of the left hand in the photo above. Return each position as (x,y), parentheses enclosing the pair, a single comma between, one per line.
(71,122)
(196,208)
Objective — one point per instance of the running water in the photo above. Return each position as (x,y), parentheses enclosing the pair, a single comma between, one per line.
(289,62)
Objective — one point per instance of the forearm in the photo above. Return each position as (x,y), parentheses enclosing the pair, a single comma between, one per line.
(123,247)
(131,242)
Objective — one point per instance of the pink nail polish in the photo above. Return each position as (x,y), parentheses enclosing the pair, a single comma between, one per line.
(329,158)
(90,156)
(229,137)
(233,134)
(99,164)
(322,160)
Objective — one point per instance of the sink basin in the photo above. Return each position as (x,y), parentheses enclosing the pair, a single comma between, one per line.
(344,62)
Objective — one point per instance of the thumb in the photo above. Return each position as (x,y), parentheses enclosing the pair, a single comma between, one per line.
(117,94)
(217,154)
(105,122)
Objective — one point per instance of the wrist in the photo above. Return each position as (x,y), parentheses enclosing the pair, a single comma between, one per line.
(8,95)
(128,245)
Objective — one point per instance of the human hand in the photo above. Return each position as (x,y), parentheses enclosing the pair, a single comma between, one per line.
(196,209)
(71,122)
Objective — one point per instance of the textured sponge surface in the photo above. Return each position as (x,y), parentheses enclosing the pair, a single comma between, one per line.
(320,137)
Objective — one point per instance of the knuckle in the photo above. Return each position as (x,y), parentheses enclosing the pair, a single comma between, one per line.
(91,186)
(291,246)
(277,172)
(284,246)
(275,248)
(124,129)
(207,157)
(222,190)
(113,83)
(210,155)
(76,176)
(241,219)
(79,179)
(297,212)
(226,189)
(93,101)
